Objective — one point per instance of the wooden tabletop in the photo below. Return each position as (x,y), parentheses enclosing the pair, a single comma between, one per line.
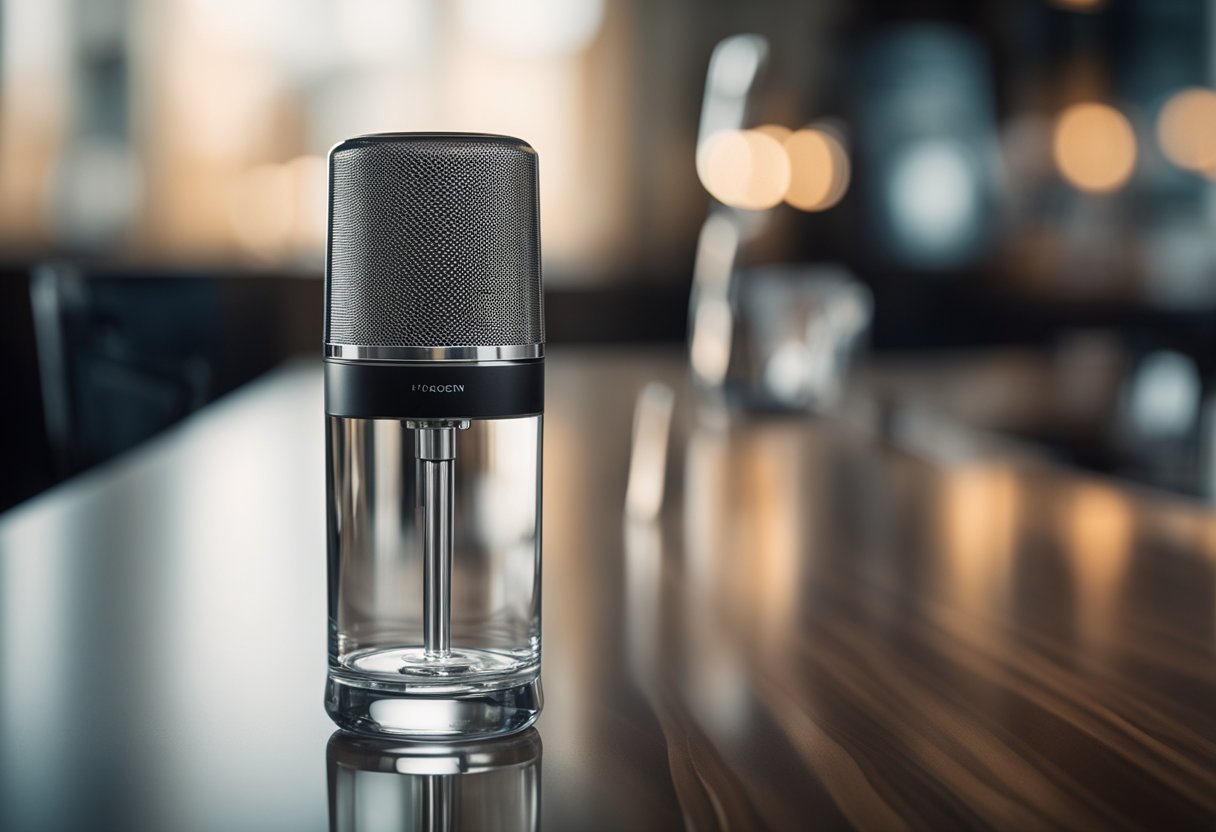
(828,624)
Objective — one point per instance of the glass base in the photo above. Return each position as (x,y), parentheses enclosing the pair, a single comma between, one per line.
(458,666)
(381,709)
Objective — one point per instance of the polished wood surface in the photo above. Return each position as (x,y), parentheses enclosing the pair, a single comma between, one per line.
(829,624)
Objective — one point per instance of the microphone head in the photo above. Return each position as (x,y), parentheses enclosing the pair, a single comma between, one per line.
(434,242)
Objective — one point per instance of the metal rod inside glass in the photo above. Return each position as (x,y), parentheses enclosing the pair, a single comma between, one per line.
(437,558)
(435,448)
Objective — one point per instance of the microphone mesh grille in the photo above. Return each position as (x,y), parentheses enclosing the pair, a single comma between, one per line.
(434,241)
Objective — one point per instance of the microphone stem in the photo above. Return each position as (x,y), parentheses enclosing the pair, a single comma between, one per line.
(435,448)
(437,558)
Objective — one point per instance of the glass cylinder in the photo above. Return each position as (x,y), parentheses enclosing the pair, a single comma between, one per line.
(421,646)
(434,389)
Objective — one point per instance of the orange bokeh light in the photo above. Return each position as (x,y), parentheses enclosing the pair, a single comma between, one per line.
(1094,147)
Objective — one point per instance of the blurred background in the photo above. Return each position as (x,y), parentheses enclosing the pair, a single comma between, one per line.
(1008,205)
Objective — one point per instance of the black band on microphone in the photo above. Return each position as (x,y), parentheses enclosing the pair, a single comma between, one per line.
(436,390)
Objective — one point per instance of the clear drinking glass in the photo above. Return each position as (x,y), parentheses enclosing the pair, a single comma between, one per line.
(386,673)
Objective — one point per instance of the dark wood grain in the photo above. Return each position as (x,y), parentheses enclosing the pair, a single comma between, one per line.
(839,632)
(825,627)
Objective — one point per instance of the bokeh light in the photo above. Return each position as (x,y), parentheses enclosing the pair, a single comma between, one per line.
(1080,5)
(934,198)
(819,169)
(744,168)
(1186,129)
(777,131)
(533,27)
(1094,147)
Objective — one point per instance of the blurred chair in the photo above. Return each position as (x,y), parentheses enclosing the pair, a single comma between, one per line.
(120,358)
(27,465)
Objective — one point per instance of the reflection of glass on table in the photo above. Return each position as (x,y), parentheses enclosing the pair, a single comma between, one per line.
(383,784)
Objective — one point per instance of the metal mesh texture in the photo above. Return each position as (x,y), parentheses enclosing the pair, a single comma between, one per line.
(434,241)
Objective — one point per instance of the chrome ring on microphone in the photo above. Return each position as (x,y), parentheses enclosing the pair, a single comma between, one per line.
(515,352)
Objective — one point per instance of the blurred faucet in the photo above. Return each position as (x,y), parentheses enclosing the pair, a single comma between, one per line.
(710,314)
(734,67)
(779,337)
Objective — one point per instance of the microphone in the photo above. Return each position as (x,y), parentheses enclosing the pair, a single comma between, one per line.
(434,257)
(434,341)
